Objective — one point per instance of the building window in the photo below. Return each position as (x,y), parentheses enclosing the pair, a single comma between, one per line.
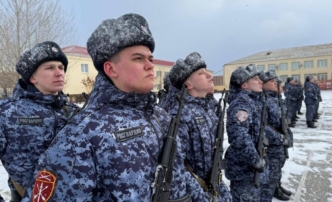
(272,67)
(296,77)
(283,66)
(283,78)
(322,77)
(308,64)
(295,66)
(159,73)
(322,63)
(261,67)
(84,68)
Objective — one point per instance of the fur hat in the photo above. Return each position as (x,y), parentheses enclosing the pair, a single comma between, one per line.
(113,35)
(289,79)
(166,82)
(266,76)
(182,69)
(243,74)
(32,58)
(308,78)
(279,80)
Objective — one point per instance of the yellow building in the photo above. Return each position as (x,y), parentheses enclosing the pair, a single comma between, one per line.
(297,62)
(80,67)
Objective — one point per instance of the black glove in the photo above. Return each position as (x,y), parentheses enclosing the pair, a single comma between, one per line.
(260,165)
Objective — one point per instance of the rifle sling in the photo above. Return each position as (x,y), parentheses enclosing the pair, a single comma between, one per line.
(274,129)
(18,188)
(199,180)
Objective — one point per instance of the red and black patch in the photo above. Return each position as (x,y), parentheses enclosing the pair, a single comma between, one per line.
(44,186)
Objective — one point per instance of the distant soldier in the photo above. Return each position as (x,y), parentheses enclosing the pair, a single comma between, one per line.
(300,97)
(243,129)
(316,116)
(291,94)
(311,100)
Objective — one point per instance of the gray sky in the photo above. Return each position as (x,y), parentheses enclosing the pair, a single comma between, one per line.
(220,30)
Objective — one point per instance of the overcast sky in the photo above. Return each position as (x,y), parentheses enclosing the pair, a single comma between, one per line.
(220,30)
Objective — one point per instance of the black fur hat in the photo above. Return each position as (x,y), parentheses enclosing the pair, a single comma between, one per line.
(184,68)
(166,82)
(33,57)
(113,35)
(266,76)
(243,74)
(289,79)
(308,78)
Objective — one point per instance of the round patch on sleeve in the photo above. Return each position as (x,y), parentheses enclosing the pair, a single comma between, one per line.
(44,186)
(242,115)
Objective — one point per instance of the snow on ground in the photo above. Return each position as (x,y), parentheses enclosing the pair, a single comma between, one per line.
(308,171)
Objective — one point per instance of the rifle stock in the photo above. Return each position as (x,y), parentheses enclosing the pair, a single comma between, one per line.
(163,180)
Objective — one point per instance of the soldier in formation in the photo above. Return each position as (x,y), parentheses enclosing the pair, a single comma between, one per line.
(300,97)
(279,140)
(311,101)
(292,98)
(198,121)
(38,110)
(316,116)
(244,162)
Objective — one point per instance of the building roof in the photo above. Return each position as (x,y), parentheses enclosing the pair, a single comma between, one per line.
(76,50)
(163,63)
(287,53)
(82,51)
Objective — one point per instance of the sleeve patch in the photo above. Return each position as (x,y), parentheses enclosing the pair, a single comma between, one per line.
(44,186)
(242,115)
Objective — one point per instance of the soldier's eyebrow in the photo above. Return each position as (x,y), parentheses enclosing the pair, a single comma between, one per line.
(143,55)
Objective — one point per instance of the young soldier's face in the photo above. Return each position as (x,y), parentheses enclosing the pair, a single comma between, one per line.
(49,78)
(270,85)
(134,70)
(201,82)
(254,84)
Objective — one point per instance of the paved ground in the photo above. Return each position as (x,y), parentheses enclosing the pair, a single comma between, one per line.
(309,169)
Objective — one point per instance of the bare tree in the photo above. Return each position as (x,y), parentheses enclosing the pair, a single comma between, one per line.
(25,23)
(88,83)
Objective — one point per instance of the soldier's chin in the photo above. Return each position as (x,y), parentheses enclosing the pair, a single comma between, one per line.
(257,90)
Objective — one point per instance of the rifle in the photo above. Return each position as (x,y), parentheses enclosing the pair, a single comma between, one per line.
(284,124)
(218,162)
(262,140)
(163,180)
